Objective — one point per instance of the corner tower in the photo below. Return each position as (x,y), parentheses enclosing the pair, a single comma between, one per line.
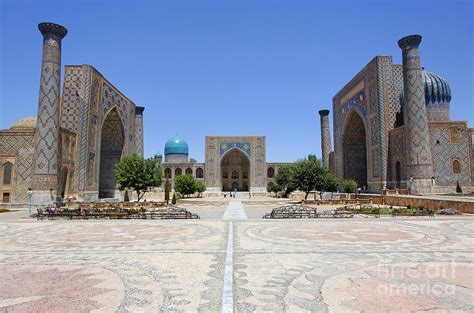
(45,169)
(325,136)
(139,130)
(419,160)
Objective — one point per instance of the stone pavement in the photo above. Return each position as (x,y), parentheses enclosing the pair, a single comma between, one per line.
(241,265)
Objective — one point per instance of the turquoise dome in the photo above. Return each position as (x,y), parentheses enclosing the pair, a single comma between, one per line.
(437,90)
(437,97)
(176,145)
(158,155)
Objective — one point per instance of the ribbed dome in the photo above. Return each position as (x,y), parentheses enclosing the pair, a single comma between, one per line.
(176,145)
(158,155)
(437,89)
(27,122)
(437,96)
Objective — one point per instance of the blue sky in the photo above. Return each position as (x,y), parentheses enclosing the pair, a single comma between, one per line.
(233,67)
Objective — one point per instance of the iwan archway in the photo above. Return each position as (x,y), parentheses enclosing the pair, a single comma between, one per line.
(235,171)
(354,149)
(111,146)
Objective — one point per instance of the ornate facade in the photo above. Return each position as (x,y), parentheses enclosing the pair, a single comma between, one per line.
(232,163)
(392,128)
(72,146)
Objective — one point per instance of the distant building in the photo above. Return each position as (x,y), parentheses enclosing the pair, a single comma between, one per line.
(232,163)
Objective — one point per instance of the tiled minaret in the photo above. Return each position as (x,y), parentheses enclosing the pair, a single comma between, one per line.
(45,168)
(139,130)
(325,136)
(419,161)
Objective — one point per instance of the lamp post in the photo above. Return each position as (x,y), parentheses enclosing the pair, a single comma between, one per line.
(30,195)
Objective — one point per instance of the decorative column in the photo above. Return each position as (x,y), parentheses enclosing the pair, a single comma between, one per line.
(325,136)
(419,161)
(139,130)
(45,168)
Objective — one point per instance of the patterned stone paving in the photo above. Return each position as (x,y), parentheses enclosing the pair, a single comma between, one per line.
(389,264)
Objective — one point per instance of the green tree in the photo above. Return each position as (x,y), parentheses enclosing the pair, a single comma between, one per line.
(309,174)
(284,178)
(348,186)
(136,173)
(185,185)
(173,200)
(126,198)
(276,188)
(332,183)
(200,188)
(270,186)
(167,190)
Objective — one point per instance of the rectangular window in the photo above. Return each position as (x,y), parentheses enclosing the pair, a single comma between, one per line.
(6,197)
(7,174)
(454,135)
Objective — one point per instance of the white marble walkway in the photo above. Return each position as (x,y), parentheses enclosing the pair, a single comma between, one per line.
(234,211)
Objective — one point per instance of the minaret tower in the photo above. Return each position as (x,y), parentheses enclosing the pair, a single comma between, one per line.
(139,130)
(45,167)
(419,161)
(325,136)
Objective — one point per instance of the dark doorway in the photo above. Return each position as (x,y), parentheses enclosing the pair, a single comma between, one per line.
(111,146)
(354,149)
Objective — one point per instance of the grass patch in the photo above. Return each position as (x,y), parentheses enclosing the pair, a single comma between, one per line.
(369,210)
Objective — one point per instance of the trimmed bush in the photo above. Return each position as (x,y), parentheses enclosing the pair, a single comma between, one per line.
(458,187)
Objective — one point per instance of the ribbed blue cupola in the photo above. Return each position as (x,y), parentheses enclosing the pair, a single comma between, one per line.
(437,97)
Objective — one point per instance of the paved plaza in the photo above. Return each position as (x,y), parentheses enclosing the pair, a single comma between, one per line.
(233,260)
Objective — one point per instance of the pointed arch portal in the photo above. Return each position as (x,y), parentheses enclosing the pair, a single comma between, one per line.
(354,148)
(237,164)
(111,146)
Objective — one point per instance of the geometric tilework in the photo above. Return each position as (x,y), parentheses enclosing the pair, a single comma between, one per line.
(325,136)
(81,151)
(397,74)
(45,167)
(245,147)
(21,146)
(419,160)
(445,152)
(111,98)
(71,100)
(138,134)
(384,72)
(396,154)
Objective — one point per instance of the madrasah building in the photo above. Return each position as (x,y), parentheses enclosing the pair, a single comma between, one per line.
(391,129)
(233,163)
